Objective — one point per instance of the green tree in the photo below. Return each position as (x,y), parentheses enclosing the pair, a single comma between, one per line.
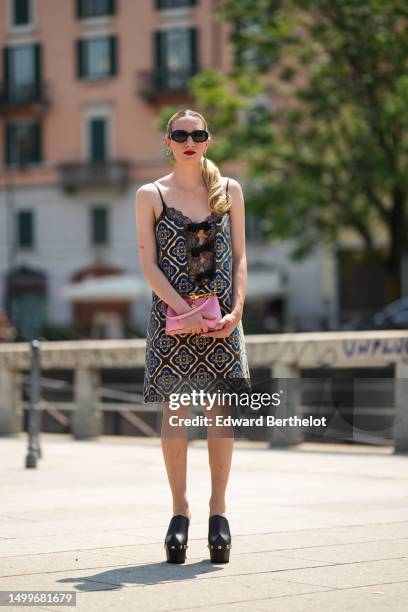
(331,153)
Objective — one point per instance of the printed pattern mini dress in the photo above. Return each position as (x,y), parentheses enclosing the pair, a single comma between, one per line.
(195,258)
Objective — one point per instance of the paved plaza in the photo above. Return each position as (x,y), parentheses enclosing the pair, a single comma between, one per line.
(319,526)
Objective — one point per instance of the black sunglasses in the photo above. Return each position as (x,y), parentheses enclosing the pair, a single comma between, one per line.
(182,135)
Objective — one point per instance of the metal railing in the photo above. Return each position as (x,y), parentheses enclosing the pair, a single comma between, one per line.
(107,173)
(286,358)
(152,84)
(35,94)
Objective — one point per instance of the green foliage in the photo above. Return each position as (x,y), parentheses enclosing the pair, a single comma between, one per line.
(330,151)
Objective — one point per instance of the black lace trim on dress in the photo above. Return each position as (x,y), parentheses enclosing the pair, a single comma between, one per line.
(201,256)
(209,272)
(205,246)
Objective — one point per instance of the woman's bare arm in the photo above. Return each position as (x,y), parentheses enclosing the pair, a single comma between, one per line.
(146,240)
(239,261)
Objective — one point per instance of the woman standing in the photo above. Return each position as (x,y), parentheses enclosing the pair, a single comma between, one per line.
(191,236)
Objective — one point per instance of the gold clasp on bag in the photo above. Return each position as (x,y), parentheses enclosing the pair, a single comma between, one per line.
(195,296)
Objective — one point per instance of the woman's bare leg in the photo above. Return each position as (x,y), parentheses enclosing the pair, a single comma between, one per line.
(174,446)
(220,441)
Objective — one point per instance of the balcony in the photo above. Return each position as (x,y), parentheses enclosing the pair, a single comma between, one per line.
(153,85)
(113,174)
(30,96)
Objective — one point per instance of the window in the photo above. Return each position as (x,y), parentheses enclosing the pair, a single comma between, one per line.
(95,8)
(26,294)
(97,57)
(161,4)
(99,225)
(176,57)
(23,143)
(22,72)
(21,12)
(25,229)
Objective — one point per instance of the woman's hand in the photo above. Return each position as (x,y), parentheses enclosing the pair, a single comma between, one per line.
(196,322)
(224,327)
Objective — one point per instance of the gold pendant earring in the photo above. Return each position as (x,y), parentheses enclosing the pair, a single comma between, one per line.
(170,155)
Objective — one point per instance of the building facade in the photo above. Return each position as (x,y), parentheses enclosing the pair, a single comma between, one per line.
(82,83)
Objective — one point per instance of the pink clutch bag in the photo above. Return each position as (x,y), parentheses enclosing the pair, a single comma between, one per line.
(207,302)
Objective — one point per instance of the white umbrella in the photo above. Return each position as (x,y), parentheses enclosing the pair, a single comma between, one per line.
(264,284)
(116,287)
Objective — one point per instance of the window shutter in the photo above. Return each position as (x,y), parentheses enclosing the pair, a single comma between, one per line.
(113,51)
(79,9)
(111,7)
(37,69)
(80,52)
(6,75)
(37,147)
(159,66)
(10,136)
(193,49)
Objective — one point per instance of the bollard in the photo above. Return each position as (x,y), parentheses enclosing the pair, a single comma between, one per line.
(34,422)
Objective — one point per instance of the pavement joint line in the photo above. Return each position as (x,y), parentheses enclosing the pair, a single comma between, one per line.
(193,559)
(257,552)
(252,600)
(239,535)
(339,544)
(206,577)
(71,533)
(227,603)
(340,563)
(321,475)
(363,586)
(120,546)
(220,577)
(286,595)
(281,552)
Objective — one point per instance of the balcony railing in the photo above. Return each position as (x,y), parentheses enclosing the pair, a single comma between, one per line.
(153,84)
(113,174)
(33,95)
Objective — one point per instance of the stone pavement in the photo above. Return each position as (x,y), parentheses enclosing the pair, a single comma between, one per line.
(316,527)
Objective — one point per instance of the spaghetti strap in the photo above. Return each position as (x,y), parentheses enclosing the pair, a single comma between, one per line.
(163,202)
(227,188)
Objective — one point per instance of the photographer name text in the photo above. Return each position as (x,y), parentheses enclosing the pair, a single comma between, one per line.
(259,421)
